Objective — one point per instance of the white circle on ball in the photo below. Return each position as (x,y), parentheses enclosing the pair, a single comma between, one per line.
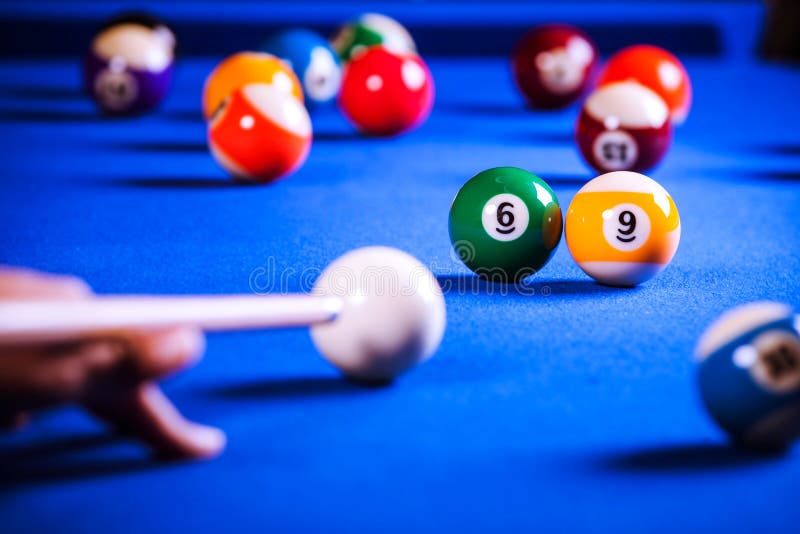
(116,89)
(247,122)
(505,217)
(615,150)
(626,227)
(322,77)
(777,366)
(374,82)
(559,71)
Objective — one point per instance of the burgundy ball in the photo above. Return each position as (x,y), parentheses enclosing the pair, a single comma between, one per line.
(128,69)
(553,65)
(623,126)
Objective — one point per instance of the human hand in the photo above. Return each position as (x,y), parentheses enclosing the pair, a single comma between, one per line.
(114,379)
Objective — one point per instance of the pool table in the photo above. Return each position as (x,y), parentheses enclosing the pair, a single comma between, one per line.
(566,406)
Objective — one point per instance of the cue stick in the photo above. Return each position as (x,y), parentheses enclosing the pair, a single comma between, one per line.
(38,321)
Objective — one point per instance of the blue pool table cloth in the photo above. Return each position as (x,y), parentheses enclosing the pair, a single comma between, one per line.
(571,407)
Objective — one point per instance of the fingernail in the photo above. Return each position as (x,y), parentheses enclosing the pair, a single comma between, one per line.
(207,441)
(183,343)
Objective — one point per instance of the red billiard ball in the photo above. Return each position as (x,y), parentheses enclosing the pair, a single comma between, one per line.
(553,64)
(656,69)
(260,133)
(623,126)
(386,93)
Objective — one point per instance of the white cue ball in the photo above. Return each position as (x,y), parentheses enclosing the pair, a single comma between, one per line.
(393,315)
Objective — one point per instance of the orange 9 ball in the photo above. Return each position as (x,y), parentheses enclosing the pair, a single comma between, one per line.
(386,93)
(656,69)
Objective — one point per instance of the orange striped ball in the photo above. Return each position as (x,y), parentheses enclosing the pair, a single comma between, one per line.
(245,68)
(260,133)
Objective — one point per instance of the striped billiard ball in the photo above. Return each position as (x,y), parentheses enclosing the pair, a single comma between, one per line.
(128,69)
(245,68)
(623,127)
(622,228)
(260,133)
(505,224)
(313,61)
(749,374)
(371,29)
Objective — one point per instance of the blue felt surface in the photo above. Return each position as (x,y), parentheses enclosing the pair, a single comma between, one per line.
(571,408)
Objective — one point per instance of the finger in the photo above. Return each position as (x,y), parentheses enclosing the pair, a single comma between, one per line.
(146,413)
(47,376)
(18,283)
(156,354)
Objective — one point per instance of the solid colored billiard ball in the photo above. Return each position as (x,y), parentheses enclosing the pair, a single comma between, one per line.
(372,29)
(393,315)
(622,228)
(245,68)
(656,69)
(385,93)
(313,61)
(623,126)
(749,374)
(505,224)
(260,133)
(128,69)
(553,65)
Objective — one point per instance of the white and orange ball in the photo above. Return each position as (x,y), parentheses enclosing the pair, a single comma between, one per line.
(260,133)
(623,126)
(245,68)
(622,228)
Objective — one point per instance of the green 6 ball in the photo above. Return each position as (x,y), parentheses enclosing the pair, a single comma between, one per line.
(505,224)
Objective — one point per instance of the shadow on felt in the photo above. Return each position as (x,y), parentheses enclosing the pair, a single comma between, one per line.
(289,388)
(52,116)
(470,284)
(690,457)
(340,136)
(758,175)
(183,115)
(61,460)
(168,147)
(485,109)
(777,149)
(174,182)
(43,92)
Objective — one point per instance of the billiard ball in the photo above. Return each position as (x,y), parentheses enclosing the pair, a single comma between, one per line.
(553,64)
(622,228)
(393,316)
(371,29)
(505,224)
(313,61)
(245,68)
(385,93)
(623,126)
(164,33)
(260,133)
(656,69)
(749,374)
(128,69)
